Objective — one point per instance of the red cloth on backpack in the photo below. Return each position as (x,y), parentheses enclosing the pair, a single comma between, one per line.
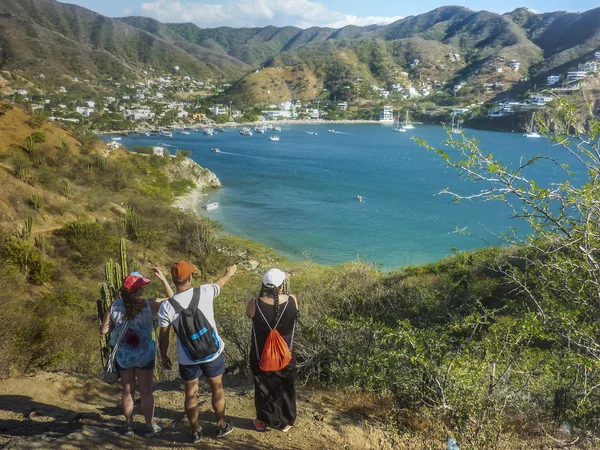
(276,354)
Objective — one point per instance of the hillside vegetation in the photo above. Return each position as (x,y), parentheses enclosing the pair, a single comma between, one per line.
(452,44)
(473,346)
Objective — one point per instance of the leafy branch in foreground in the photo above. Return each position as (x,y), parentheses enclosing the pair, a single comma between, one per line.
(556,275)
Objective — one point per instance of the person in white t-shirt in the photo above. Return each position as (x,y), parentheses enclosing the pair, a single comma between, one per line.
(189,370)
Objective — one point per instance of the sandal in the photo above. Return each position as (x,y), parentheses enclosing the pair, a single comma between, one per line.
(286,428)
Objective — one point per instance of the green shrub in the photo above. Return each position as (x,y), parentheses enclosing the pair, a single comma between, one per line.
(38,137)
(41,271)
(35,201)
(90,243)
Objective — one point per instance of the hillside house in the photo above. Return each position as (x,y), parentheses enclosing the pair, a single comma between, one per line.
(514,65)
(158,151)
(342,106)
(141,114)
(276,115)
(577,75)
(62,90)
(414,63)
(385,94)
(386,114)
(597,56)
(590,66)
(85,111)
(552,79)
(216,110)
(539,100)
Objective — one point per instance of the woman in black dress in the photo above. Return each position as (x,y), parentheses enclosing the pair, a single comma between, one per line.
(275,394)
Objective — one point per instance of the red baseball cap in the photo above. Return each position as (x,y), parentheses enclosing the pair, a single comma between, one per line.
(181,271)
(134,281)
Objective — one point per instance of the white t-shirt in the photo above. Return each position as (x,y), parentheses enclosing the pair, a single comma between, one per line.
(167,315)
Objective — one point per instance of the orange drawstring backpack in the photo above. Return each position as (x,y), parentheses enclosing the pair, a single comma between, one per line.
(276,354)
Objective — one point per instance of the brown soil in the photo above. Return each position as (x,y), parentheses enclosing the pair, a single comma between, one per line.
(54,410)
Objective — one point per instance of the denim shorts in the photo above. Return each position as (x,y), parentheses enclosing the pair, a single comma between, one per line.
(209,369)
(149,366)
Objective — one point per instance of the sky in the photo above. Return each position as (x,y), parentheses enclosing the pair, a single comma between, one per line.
(304,13)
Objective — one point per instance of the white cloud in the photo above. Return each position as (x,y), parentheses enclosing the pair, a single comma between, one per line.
(255,13)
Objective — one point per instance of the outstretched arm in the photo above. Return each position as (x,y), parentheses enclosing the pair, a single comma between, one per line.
(225,278)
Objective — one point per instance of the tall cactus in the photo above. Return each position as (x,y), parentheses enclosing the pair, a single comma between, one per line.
(109,290)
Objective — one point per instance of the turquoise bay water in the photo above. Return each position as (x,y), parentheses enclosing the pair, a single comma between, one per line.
(299,195)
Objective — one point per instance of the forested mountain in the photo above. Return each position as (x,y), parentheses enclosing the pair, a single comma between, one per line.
(452,44)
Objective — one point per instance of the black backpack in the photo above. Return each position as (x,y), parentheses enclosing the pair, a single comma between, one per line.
(198,338)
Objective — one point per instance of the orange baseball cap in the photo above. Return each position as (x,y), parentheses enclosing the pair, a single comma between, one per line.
(181,271)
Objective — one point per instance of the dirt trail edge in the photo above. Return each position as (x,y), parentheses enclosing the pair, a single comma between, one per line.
(64,411)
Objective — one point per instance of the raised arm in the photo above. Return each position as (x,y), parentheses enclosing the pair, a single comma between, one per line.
(164,281)
(225,278)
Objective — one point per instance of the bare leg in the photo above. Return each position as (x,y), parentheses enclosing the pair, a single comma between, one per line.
(128,383)
(218,398)
(191,403)
(146,397)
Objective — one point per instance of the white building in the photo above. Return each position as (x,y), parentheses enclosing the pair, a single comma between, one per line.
(385,94)
(539,99)
(514,65)
(597,56)
(216,110)
(85,111)
(342,106)
(141,114)
(62,90)
(90,104)
(415,63)
(158,151)
(553,79)
(576,75)
(275,115)
(590,66)
(499,69)
(459,110)
(386,114)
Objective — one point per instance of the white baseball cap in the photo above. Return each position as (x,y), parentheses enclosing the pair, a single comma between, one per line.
(274,277)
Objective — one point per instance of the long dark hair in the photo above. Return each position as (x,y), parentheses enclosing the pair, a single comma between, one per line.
(274,291)
(133,304)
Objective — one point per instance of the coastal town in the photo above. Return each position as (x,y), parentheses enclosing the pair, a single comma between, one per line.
(174,100)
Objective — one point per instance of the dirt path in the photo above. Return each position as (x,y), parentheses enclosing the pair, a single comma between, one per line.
(62,411)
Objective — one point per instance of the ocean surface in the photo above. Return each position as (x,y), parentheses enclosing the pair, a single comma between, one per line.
(299,195)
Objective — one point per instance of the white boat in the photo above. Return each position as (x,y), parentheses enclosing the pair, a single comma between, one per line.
(260,129)
(166,133)
(246,132)
(184,132)
(314,133)
(407,125)
(116,139)
(145,133)
(211,205)
(220,130)
(331,131)
(532,133)
(277,128)
(208,131)
(215,150)
(273,138)
(398,127)
(455,126)
(359,198)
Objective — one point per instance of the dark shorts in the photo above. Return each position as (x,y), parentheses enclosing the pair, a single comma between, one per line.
(149,366)
(210,369)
